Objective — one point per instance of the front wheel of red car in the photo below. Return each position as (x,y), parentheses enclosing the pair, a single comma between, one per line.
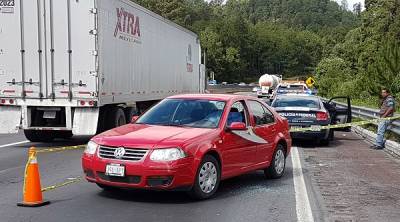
(277,168)
(207,178)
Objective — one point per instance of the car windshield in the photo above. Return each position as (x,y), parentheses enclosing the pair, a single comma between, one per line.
(296,102)
(185,113)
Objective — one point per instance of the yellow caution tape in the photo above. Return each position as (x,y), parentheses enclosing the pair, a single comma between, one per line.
(68,182)
(337,126)
(33,155)
(48,150)
(58,149)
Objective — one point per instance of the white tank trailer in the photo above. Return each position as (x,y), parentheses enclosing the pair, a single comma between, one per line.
(268,84)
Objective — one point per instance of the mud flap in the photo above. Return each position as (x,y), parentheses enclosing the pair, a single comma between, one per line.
(85,121)
(10,119)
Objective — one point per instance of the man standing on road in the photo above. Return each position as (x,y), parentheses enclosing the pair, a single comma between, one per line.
(388,107)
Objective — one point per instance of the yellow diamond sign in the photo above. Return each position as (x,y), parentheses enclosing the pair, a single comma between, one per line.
(310,81)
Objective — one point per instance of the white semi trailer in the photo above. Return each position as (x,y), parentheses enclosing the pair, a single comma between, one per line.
(78,67)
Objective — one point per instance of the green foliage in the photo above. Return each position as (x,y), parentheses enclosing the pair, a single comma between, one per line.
(370,53)
(330,76)
(246,38)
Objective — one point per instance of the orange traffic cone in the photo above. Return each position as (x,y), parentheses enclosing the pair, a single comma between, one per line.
(32,188)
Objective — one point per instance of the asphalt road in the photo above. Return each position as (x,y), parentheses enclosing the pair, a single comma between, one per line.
(335,183)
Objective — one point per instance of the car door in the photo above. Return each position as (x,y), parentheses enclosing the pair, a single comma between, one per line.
(238,152)
(340,114)
(264,127)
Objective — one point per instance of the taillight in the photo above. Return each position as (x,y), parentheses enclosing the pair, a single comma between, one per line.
(322,116)
(90,103)
(3,101)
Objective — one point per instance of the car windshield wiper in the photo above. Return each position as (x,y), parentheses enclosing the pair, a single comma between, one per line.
(176,125)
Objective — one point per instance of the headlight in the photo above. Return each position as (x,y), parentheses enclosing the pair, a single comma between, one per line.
(169,154)
(91,148)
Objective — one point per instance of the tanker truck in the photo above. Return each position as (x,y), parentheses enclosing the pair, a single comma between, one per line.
(268,84)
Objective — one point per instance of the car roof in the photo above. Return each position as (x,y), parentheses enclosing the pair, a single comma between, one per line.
(222,97)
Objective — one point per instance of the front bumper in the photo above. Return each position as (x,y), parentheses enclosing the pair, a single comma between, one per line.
(146,174)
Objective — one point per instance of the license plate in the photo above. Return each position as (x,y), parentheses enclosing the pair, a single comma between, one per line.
(316,128)
(49,115)
(115,170)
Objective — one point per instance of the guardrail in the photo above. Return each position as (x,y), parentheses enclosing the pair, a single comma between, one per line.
(228,88)
(368,113)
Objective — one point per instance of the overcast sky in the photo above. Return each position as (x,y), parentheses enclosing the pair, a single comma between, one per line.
(352,2)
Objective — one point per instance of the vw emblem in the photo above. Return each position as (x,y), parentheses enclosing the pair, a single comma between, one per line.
(119,152)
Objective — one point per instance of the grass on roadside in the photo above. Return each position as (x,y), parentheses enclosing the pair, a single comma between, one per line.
(389,135)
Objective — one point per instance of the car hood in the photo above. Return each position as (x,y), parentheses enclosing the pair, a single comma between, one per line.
(149,136)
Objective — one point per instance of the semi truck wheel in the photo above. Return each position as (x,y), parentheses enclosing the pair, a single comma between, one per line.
(39,136)
(115,117)
(129,113)
(102,122)
(64,134)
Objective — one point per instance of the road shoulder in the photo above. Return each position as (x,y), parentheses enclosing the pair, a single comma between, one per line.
(354,182)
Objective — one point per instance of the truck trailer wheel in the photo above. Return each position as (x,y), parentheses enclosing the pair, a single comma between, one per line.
(115,117)
(64,134)
(39,136)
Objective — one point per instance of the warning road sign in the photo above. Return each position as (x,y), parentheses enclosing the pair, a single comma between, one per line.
(310,81)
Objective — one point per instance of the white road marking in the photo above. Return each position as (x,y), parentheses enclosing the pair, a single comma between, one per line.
(303,207)
(13,144)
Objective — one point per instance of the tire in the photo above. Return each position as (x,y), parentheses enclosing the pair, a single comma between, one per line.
(129,113)
(115,117)
(278,164)
(331,134)
(201,191)
(324,142)
(39,136)
(101,124)
(64,134)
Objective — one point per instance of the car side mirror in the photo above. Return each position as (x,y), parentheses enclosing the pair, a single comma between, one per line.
(134,118)
(237,126)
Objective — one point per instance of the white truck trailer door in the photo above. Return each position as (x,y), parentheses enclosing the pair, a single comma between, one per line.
(10,49)
(71,48)
(32,35)
(22,36)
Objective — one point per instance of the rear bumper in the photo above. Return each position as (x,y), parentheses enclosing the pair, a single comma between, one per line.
(323,134)
(70,116)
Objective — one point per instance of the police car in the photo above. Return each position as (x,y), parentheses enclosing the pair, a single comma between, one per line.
(308,111)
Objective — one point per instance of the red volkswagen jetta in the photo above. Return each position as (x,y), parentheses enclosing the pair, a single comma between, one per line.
(190,142)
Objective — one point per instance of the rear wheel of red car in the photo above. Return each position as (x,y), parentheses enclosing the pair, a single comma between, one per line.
(277,168)
(207,178)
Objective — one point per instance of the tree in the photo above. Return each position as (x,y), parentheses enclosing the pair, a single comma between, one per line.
(247,38)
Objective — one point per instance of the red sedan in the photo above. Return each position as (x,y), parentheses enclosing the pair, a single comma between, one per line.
(190,142)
